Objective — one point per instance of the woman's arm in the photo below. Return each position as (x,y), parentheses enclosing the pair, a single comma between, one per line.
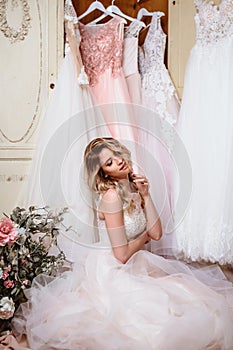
(154,227)
(112,210)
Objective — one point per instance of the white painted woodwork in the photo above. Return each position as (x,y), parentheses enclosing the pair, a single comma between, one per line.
(181,38)
(27,69)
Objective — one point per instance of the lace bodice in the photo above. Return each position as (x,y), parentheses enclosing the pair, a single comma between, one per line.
(101,48)
(158,90)
(213,22)
(69,12)
(135,222)
(151,55)
(74,38)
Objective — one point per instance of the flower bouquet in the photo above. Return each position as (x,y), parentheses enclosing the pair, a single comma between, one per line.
(26,237)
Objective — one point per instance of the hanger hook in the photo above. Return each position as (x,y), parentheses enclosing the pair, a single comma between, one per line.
(113,2)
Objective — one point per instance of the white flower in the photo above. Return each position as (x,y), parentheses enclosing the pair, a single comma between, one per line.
(37,221)
(21,231)
(7,308)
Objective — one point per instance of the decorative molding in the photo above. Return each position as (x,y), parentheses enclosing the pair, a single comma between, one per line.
(13,178)
(9,32)
(50,16)
(35,115)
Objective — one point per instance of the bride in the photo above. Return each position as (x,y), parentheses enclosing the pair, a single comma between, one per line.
(123,297)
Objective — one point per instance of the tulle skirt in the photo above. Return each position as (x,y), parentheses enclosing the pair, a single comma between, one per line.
(56,176)
(206,127)
(147,303)
(159,95)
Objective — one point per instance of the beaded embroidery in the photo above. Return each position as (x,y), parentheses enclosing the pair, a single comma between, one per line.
(101,48)
(213,22)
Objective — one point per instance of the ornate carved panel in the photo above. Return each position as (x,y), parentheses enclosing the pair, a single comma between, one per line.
(31,50)
(27,29)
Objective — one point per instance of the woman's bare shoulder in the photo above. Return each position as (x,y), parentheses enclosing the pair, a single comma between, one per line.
(111,195)
(110,201)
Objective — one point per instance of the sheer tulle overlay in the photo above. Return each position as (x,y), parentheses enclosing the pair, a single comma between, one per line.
(147,303)
(159,95)
(56,176)
(206,126)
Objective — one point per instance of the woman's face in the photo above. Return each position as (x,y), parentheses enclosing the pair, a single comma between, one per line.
(113,165)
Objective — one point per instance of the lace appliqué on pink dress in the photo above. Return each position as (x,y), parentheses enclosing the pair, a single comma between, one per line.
(101,48)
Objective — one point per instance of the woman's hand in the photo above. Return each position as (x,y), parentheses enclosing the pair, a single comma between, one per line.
(154,228)
(141,183)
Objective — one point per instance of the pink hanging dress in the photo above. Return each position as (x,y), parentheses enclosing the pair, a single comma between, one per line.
(102,49)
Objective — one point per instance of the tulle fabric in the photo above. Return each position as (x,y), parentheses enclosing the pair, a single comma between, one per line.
(130,69)
(56,177)
(159,134)
(206,126)
(114,92)
(148,303)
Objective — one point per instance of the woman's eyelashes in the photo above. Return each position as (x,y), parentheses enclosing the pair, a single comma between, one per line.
(109,162)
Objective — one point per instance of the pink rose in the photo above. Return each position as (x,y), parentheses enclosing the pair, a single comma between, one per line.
(9,284)
(7,232)
(5,275)
(6,225)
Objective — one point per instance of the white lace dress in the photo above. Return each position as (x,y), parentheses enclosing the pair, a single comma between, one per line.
(206,126)
(158,91)
(158,133)
(135,222)
(147,303)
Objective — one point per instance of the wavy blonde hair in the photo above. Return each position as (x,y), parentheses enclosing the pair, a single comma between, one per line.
(96,179)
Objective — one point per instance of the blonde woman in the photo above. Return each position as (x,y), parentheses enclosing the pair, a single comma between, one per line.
(125,207)
(123,297)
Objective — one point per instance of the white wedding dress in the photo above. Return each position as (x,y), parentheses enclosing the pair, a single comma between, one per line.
(147,303)
(161,104)
(206,127)
(56,178)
